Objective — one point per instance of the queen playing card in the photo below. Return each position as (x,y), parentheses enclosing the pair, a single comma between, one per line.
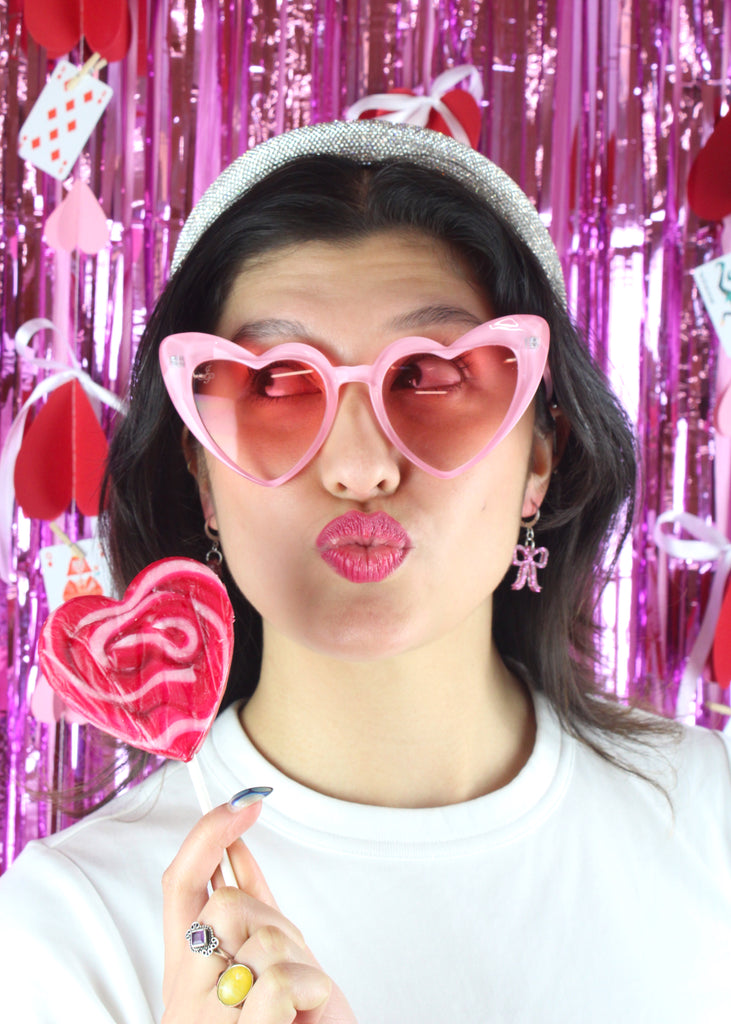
(62,119)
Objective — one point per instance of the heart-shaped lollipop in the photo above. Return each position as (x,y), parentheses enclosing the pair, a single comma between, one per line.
(150,669)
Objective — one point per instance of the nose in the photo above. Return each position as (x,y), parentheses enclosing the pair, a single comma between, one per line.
(357,460)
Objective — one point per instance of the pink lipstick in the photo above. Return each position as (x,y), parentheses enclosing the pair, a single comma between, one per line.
(364,548)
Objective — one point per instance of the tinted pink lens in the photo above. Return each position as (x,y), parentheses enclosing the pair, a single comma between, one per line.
(447,410)
(264,419)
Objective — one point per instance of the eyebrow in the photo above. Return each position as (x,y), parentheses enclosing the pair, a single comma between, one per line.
(435,315)
(269,328)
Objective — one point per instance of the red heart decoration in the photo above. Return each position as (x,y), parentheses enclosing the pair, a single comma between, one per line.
(721,654)
(150,669)
(465,108)
(62,457)
(461,103)
(709,181)
(54,25)
(59,24)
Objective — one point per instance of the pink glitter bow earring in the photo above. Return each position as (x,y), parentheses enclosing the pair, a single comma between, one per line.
(529,559)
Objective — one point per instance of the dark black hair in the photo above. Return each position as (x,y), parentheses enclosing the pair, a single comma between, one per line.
(153,510)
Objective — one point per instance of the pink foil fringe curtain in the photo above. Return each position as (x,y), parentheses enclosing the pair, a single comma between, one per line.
(596,107)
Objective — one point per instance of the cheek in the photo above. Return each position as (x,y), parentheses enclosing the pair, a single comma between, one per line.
(261,531)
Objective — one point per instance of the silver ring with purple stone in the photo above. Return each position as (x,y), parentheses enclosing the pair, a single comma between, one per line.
(202,940)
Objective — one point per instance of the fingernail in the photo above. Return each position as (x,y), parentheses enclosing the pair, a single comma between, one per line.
(248,796)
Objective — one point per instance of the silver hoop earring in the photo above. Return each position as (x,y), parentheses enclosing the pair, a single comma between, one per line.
(529,559)
(214,555)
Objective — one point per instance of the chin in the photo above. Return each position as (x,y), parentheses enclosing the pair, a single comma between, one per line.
(361,642)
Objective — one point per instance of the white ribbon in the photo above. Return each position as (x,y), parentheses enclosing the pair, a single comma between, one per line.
(708,545)
(13,441)
(416,109)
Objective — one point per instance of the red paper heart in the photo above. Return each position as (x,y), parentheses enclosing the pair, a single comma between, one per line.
(54,24)
(59,24)
(62,457)
(709,181)
(461,103)
(150,669)
(465,108)
(107,28)
(721,655)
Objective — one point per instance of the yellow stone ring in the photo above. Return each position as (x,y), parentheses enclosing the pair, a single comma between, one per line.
(234,984)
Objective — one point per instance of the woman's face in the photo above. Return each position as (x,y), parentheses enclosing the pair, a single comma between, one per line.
(364,589)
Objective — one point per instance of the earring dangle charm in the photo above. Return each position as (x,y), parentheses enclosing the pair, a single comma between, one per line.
(529,559)
(214,555)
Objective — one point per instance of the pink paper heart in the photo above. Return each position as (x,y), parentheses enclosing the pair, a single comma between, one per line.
(78,222)
(723,413)
(47,707)
(150,669)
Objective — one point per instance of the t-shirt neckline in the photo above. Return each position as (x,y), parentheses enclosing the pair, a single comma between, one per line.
(326,822)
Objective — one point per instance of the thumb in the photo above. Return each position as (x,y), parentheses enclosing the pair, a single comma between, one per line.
(185,882)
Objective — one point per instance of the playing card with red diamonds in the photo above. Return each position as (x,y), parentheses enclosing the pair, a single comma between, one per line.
(62,119)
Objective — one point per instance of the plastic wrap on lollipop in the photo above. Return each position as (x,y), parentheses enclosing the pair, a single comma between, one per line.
(150,669)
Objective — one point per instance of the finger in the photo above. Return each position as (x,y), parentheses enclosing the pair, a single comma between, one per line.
(285,990)
(248,932)
(185,882)
(272,943)
(235,917)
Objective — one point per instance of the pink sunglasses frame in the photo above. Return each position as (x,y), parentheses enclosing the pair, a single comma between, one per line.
(527,336)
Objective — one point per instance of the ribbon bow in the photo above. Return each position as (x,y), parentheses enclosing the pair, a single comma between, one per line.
(708,545)
(529,559)
(404,107)
(64,373)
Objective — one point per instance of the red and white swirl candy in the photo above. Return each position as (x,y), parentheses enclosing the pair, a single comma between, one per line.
(150,669)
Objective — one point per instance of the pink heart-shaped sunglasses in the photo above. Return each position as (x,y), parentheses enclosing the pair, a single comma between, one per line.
(443,406)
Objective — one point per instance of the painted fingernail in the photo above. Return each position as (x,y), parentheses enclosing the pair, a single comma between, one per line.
(248,796)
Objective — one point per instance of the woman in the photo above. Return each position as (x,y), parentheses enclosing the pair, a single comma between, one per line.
(461,827)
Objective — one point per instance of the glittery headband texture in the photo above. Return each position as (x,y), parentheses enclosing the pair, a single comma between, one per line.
(368,142)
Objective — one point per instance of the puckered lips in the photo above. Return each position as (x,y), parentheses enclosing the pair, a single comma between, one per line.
(364,547)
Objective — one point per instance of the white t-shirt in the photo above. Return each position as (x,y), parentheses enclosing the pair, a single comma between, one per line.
(571,896)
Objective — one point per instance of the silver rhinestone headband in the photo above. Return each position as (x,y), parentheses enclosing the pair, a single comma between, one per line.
(368,142)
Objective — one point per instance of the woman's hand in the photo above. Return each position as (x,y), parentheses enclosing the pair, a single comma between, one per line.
(289,984)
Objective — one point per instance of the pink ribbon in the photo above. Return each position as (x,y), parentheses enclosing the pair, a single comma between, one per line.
(529,559)
(708,545)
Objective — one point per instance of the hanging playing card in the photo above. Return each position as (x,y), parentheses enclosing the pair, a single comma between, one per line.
(62,120)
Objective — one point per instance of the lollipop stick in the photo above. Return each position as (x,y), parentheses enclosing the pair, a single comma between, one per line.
(204,801)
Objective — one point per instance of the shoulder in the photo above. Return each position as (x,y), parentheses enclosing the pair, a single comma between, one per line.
(89,896)
(103,843)
(687,767)
(703,779)
(691,761)
(137,834)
